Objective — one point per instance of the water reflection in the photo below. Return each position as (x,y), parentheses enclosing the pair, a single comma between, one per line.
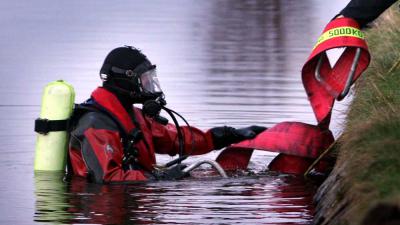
(279,199)
(51,199)
(250,63)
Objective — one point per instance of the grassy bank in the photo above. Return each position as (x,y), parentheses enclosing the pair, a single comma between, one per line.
(364,187)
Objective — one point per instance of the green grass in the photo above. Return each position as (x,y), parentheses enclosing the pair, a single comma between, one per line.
(370,144)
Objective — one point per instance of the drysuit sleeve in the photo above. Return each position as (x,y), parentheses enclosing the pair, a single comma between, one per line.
(165,139)
(101,150)
(365,11)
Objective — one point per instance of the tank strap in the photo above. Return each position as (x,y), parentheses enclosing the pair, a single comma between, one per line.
(44,126)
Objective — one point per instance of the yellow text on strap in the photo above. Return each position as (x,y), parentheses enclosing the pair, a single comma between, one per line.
(340,32)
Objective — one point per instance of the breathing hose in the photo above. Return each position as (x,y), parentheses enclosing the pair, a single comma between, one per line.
(180,135)
(182,157)
(212,163)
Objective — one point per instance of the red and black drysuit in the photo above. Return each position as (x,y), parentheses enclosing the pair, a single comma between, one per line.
(96,148)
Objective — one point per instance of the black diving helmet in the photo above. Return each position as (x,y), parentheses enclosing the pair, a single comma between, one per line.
(141,84)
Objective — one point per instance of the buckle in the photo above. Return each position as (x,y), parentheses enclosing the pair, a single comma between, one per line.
(42,126)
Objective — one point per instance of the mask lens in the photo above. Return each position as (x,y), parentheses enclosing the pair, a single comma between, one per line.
(149,82)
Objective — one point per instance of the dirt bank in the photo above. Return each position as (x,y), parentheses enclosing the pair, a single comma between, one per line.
(364,187)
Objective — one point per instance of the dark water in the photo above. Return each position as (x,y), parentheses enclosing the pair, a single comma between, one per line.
(220,63)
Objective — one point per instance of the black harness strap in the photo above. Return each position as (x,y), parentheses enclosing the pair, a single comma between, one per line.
(44,126)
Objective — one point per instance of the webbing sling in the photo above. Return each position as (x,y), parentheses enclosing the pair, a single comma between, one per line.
(298,142)
(324,83)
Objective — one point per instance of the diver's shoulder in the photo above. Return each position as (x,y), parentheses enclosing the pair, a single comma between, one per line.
(97,120)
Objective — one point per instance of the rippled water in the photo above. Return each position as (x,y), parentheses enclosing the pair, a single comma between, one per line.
(220,63)
(262,199)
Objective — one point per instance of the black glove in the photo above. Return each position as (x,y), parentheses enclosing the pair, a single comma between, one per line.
(171,173)
(224,136)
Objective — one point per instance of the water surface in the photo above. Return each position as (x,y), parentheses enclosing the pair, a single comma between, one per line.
(220,63)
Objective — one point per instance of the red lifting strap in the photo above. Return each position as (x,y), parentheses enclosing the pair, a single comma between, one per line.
(323,83)
(299,143)
(291,138)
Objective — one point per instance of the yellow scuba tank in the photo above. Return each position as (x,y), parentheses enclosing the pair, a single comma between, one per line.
(52,138)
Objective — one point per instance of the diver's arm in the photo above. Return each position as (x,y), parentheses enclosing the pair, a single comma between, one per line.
(197,142)
(101,150)
(165,139)
(365,11)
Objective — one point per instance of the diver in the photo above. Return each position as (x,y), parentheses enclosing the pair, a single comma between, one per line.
(114,141)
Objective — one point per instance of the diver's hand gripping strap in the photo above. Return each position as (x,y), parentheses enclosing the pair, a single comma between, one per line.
(324,83)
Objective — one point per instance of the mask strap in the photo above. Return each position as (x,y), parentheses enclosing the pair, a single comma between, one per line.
(140,69)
